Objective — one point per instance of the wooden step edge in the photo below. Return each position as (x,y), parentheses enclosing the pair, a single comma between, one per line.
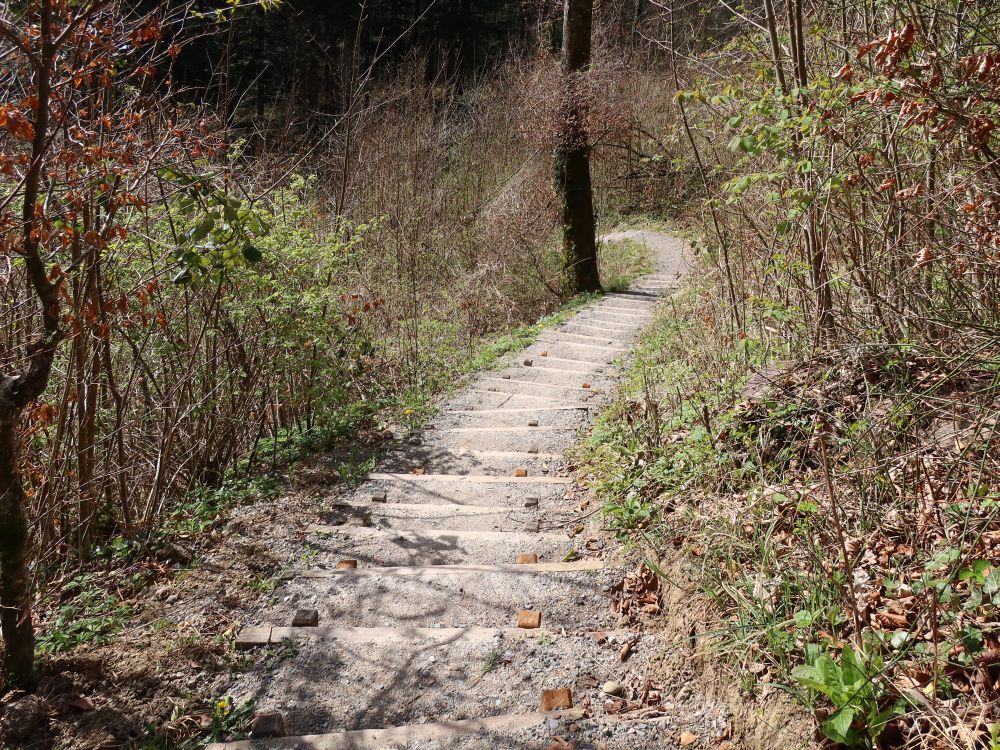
(581,566)
(257,637)
(369,739)
(470,478)
(349,530)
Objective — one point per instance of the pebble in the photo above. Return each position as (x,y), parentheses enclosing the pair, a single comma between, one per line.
(612,688)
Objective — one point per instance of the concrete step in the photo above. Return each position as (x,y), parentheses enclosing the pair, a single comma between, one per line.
(581,338)
(624,309)
(554,376)
(528,731)
(439,459)
(567,365)
(572,386)
(415,516)
(576,343)
(400,676)
(609,324)
(475,398)
(538,439)
(548,394)
(570,595)
(566,351)
(616,334)
(436,733)
(562,418)
(272,635)
(464,489)
(374,546)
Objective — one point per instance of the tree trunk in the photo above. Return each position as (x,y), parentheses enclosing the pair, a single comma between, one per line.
(18,391)
(15,616)
(572,163)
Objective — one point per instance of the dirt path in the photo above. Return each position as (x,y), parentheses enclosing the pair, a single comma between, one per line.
(418,646)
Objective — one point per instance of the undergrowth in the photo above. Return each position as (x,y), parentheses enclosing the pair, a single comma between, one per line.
(89,609)
(841,509)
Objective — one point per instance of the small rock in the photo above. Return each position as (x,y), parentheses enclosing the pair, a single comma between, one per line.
(305,618)
(505,377)
(270,724)
(347,564)
(531,502)
(612,688)
(532,423)
(520,472)
(415,441)
(527,558)
(380,497)
(687,738)
(527,363)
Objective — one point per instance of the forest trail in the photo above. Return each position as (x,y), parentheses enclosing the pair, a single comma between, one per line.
(418,646)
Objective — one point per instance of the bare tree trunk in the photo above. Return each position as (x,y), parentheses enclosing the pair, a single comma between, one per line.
(19,390)
(15,617)
(572,165)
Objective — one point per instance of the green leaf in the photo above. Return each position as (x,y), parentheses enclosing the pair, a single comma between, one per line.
(838,726)
(201,231)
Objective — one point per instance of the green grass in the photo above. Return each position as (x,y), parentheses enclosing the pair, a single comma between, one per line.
(622,261)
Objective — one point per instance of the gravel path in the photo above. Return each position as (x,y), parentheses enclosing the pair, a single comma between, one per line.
(419,645)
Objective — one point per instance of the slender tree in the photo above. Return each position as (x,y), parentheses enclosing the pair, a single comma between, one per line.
(81,128)
(572,159)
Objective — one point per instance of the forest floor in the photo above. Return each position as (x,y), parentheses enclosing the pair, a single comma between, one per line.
(419,645)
